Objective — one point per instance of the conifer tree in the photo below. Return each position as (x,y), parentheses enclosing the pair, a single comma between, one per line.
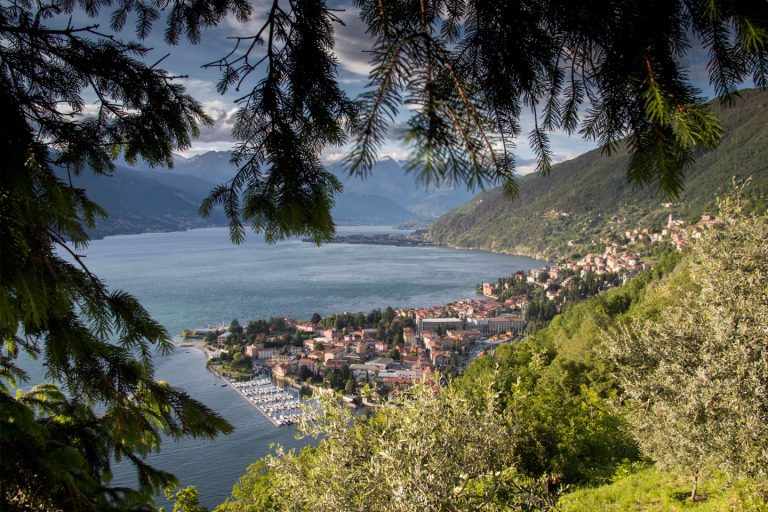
(96,344)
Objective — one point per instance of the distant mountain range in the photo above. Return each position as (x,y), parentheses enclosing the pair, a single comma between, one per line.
(142,199)
(139,202)
(588,197)
(389,180)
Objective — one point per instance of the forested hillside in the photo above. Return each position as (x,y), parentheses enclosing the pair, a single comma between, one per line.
(588,197)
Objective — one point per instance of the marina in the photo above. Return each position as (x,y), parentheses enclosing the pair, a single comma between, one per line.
(279,406)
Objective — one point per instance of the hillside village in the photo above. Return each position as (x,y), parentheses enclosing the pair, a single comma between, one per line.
(367,357)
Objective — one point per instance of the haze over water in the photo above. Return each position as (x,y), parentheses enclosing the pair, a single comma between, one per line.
(198,277)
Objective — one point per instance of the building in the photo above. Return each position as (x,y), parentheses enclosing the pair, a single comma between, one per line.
(464,338)
(361,370)
(317,355)
(433,324)
(333,353)
(360,347)
(267,353)
(409,336)
(320,340)
(252,351)
(336,363)
(279,359)
(382,363)
(440,359)
(305,327)
(489,290)
(281,371)
(311,365)
(506,323)
(400,377)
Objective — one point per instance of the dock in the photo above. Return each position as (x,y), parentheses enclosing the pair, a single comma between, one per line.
(279,407)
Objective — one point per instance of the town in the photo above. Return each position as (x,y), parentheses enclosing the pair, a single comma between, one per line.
(367,357)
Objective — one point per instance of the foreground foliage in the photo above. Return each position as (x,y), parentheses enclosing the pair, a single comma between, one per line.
(96,344)
(424,451)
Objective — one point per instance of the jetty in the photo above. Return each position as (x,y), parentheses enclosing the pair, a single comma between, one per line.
(279,406)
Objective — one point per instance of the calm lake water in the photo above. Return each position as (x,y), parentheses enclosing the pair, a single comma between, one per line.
(196,278)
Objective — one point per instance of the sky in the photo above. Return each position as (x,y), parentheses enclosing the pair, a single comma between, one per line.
(351,45)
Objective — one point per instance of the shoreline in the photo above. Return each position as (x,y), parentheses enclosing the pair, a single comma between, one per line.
(429,243)
(197,345)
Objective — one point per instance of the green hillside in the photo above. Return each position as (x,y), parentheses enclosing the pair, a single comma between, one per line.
(589,196)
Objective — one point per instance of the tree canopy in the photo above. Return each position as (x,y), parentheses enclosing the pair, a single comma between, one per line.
(472,69)
(96,343)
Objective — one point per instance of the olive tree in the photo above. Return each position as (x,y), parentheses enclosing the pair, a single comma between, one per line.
(696,376)
(424,451)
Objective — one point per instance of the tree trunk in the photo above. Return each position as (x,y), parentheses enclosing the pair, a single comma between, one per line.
(695,487)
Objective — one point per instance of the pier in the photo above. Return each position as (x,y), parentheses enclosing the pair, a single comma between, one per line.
(280,407)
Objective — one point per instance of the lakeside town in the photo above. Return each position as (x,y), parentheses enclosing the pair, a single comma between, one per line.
(365,358)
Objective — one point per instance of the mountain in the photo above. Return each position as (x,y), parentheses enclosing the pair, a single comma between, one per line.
(389,196)
(140,203)
(356,205)
(589,197)
(143,199)
(389,179)
(212,167)
(369,209)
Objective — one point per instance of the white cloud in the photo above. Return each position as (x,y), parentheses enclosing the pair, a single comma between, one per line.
(252,26)
(392,148)
(202,90)
(88,110)
(223,118)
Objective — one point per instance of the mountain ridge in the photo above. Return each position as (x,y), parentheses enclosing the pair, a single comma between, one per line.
(587,198)
(141,199)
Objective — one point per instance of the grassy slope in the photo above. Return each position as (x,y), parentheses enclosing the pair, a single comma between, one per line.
(651,490)
(592,190)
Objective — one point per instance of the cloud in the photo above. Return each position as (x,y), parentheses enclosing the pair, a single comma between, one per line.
(90,109)
(202,90)
(223,118)
(260,10)
(351,40)
(352,43)
(391,148)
